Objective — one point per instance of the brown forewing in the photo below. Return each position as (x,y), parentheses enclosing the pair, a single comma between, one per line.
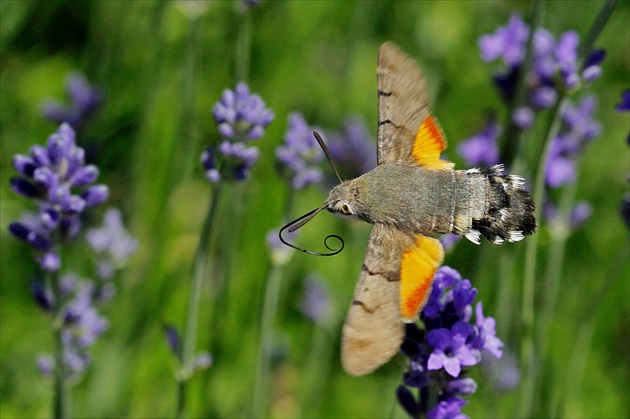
(373,331)
(403,103)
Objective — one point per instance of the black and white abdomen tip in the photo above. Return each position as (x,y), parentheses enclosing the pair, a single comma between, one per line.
(509,212)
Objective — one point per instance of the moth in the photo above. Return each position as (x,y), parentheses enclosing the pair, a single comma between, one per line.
(411,195)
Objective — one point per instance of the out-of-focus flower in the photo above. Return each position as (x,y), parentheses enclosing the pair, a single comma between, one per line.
(450,408)
(315,303)
(449,343)
(81,324)
(578,129)
(298,156)
(112,244)
(555,65)
(449,240)
(482,149)
(252,3)
(85,99)
(507,42)
(241,116)
(353,150)
(57,178)
(280,253)
(624,105)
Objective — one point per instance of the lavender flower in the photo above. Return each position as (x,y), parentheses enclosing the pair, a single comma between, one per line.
(353,149)
(84,100)
(580,213)
(315,303)
(449,240)
(57,178)
(201,361)
(503,373)
(298,157)
(507,42)
(578,129)
(441,352)
(81,324)
(240,117)
(112,244)
(482,149)
(450,350)
(555,65)
(280,253)
(624,105)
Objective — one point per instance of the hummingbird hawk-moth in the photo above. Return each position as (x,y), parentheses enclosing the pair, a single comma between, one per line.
(410,195)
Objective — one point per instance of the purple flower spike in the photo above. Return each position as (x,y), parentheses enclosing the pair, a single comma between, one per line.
(352,150)
(507,42)
(450,351)
(624,105)
(298,157)
(241,115)
(450,408)
(486,333)
(57,178)
(441,352)
(482,148)
(172,338)
(464,385)
(463,296)
(112,244)
(85,99)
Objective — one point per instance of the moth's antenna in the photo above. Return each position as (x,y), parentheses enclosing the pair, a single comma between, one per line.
(322,144)
(298,223)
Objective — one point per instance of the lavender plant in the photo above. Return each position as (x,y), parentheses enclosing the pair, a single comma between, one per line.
(296,161)
(60,183)
(440,351)
(540,72)
(624,106)
(84,98)
(352,149)
(57,179)
(298,157)
(241,117)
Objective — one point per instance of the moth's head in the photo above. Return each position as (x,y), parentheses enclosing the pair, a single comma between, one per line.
(342,199)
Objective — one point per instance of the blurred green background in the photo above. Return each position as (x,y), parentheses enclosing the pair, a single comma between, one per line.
(162,66)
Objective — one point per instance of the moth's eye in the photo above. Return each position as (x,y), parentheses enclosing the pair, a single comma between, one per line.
(345,209)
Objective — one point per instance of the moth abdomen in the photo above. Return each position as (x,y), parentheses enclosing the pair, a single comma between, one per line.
(508,209)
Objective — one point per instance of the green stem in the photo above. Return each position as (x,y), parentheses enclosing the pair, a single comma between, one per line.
(61,397)
(512,136)
(598,25)
(575,368)
(263,361)
(243,47)
(527,351)
(560,231)
(199,271)
(188,126)
(270,307)
(528,360)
